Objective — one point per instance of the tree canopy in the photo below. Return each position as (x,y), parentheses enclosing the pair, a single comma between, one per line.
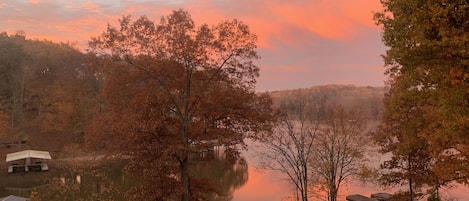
(174,88)
(427,106)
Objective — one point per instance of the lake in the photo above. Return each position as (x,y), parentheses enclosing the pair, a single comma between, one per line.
(237,180)
(264,185)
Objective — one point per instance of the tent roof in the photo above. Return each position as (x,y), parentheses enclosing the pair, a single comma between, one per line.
(27,154)
(13,198)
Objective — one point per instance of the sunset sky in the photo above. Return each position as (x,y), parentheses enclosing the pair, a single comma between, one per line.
(302,43)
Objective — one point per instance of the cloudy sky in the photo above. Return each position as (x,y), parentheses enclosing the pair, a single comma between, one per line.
(302,43)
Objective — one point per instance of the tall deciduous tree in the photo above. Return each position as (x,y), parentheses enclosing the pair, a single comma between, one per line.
(174,88)
(339,147)
(411,161)
(427,106)
(290,148)
(317,143)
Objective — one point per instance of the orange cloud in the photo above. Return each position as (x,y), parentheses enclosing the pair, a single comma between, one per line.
(34,1)
(321,18)
(90,6)
(361,11)
(281,21)
(330,19)
(269,19)
(81,30)
(293,69)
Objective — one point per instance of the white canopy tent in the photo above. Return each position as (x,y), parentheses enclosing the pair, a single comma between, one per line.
(13,198)
(27,154)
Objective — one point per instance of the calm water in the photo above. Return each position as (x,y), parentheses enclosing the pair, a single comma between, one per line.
(235,179)
(69,183)
(268,185)
(108,182)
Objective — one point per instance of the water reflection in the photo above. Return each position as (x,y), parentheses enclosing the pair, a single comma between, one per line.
(19,184)
(104,182)
(227,177)
(220,174)
(216,175)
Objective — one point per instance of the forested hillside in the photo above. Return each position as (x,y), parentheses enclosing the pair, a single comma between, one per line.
(368,99)
(47,94)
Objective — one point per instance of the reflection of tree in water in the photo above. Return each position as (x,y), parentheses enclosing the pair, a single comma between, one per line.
(95,183)
(216,176)
(19,184)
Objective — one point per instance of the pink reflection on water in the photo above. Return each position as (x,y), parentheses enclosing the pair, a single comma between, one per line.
(269,186)
(262,186)
(456,192)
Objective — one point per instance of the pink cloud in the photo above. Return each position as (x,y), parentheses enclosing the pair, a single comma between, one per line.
(90,6)
(269,19)
(293,69)
(80,30)
(361,11)
(321,18)
(337,19)
(34,1)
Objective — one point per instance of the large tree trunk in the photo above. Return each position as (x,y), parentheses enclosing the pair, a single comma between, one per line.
(333,193)
(305,182)
(185,185)
(411,190)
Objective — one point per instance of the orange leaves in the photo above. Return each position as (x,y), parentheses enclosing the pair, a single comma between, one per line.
(172,88)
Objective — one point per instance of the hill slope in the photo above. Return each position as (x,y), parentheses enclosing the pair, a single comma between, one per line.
(369,99)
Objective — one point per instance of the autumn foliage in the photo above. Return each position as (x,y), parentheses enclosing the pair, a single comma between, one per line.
(47,92)
(173,89)
(425,124)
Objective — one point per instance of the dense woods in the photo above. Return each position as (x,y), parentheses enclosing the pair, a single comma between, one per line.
(47,93)
(368,99)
